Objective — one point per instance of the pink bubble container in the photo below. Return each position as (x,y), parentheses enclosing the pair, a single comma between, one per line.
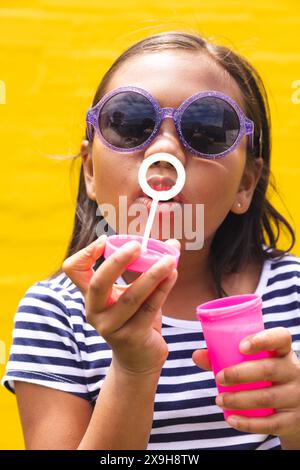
(225,322)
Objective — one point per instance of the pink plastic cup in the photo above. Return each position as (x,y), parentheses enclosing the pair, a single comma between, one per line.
(156,249)
(225,322)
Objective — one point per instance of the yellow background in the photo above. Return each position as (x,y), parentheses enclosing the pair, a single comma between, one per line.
(52,56)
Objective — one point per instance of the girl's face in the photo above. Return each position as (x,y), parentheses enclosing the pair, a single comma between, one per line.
(222,184)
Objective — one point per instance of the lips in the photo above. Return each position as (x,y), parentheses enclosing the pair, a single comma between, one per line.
(162,183)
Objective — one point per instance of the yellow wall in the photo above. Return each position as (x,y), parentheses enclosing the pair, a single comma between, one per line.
(52,56)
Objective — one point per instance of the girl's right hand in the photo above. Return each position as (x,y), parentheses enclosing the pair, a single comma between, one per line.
(128,319)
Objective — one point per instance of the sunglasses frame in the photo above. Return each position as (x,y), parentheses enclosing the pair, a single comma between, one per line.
(246,125)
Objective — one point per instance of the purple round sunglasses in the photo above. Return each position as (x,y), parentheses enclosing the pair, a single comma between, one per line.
(210,124)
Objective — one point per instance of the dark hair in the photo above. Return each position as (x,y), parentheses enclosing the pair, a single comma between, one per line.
(252,235)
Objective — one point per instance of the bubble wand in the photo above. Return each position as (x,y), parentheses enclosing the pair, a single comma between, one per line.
(158,195)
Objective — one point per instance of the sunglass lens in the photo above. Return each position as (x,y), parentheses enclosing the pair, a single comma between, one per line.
(127,120)
(210,125)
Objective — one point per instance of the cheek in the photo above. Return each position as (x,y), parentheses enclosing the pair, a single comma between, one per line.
(115,175)
(112,175)
(109,185)
(215,184)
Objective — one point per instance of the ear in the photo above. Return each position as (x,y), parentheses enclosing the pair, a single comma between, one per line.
(88,169)
(250,178)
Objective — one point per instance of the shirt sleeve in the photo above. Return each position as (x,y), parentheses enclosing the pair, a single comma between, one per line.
(44,349)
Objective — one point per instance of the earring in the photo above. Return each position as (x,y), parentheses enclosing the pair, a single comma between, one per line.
(239,205)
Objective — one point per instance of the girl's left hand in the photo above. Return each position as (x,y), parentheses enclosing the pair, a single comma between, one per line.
(284,395)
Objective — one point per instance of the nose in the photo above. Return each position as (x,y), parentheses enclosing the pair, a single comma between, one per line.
(166,141)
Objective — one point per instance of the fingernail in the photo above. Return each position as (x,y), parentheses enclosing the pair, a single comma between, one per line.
(220,378)
(245,346)
(219,400)
(131,246)
(232,421)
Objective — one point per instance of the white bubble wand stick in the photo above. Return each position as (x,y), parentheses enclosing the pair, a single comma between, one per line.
(158,195)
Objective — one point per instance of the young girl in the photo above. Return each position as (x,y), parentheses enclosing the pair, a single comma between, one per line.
(99,366)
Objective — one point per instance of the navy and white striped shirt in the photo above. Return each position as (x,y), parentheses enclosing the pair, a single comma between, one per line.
(54,346)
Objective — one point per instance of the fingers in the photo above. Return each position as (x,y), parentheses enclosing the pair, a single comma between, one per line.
(106,275)
(274,370)
(275,339)
(276,396)
(201,359)
(131,300)
(174,242)
(79,267)
(155,301)
(138,295)
(274,425)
